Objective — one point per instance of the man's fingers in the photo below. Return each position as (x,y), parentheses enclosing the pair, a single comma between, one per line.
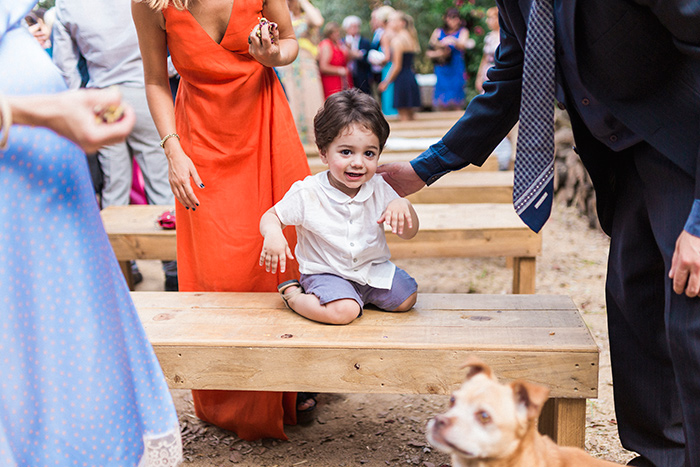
(680,279)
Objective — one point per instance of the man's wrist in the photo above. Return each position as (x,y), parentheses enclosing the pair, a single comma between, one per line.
(692,225)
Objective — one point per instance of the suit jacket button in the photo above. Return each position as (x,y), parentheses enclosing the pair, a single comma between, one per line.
(561,106)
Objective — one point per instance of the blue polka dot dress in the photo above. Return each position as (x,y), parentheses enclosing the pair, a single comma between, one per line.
(79,382)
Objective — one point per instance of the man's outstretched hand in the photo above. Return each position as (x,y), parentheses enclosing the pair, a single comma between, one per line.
(401,176)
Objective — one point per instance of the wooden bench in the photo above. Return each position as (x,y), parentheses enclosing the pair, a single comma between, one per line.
(442,123)
(451,115)
(250,341)
(464,186)
(467,186)
(446,230)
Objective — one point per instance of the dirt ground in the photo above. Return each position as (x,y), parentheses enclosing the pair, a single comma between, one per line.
(389,430)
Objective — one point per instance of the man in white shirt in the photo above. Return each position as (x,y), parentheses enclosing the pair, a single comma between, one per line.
(359,48)
(103,33)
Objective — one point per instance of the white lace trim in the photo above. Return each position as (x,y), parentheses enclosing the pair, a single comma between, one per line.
(162,449)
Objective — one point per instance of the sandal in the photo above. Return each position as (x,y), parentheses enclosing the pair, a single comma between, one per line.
(307,415)
(293,293)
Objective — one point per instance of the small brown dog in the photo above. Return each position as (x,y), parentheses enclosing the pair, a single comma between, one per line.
(491,424)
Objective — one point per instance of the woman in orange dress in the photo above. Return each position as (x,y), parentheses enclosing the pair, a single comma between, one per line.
(233,152)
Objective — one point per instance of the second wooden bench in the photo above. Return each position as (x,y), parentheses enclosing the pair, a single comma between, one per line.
(446,230)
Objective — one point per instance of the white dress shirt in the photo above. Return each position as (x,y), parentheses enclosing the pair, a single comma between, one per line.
(102,32)
(337,234)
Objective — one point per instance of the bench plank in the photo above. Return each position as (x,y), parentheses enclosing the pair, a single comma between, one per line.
(442,123)
(468,187)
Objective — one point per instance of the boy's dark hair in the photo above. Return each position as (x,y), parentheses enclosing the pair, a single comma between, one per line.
(344,108)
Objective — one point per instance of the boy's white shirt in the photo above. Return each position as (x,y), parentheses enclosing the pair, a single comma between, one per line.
(337,234)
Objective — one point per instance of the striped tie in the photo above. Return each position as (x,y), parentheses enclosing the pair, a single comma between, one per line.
(533,184)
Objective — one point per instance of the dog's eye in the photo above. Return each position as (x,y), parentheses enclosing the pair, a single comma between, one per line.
(452,401)
(483,417)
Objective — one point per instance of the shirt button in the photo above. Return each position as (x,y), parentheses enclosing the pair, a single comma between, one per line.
(352,244)
(585,101)
(561,106)
(354,260)
(613,138)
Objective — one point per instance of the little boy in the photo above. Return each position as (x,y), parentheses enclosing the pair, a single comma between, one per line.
(339,215)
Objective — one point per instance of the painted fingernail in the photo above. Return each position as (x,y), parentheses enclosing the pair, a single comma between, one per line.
(194,209)
(187,207)
(201,185)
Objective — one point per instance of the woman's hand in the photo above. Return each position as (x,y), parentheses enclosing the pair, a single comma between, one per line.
(75,115)
(180,170)
(264,43)
(382,86)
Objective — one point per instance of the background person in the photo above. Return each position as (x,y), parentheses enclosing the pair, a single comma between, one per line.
(450,42)
(375,56)
(404,47)
(233,151)
(333,59)
(359,49)
(301,78)
(81,384)
(505,149)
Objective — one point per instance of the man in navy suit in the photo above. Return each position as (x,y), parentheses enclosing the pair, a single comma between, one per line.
(359,48)
(628,73)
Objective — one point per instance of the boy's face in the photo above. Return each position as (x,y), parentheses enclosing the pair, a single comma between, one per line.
(352,158)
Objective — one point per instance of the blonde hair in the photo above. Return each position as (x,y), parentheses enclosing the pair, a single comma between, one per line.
(382,13)
(160,5)
(411,27)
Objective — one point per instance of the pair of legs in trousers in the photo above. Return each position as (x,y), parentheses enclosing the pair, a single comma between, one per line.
(143,145)
(654,332)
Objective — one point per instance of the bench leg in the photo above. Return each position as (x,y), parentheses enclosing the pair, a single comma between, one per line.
(524,275)
(564,420)
(126,270)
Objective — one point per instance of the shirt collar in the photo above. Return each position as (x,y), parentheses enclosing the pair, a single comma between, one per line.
(366,190)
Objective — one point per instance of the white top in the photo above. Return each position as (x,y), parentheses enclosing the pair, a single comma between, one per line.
(103,33)
(337,234)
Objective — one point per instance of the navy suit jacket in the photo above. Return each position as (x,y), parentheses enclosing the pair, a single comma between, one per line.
(362,76)
(641,59)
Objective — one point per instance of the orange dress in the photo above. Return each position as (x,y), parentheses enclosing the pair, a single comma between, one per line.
(236,126)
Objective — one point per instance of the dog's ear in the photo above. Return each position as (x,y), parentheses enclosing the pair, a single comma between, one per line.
(530,396)
(474,366)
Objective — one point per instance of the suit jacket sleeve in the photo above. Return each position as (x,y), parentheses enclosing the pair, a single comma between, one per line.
(682,19)
(488,117)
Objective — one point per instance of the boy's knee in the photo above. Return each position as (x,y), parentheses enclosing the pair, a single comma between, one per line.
(408,303)
(345,311)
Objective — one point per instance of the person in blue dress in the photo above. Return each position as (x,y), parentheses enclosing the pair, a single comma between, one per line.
(404,46)
(80,382)
(448,45)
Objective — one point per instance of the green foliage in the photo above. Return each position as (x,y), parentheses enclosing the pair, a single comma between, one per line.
(47,3)
(427,15)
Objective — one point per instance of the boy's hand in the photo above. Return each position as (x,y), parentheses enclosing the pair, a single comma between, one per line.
(397,215)
(275,250)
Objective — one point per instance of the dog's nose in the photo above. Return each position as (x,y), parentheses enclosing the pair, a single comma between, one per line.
(441,421)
